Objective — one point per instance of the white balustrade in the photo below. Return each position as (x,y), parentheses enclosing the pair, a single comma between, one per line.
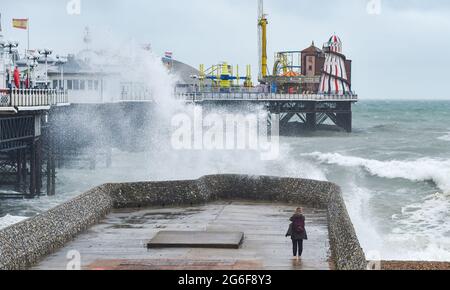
(32,97)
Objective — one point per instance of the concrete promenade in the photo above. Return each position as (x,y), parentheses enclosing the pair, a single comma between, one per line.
(119,241)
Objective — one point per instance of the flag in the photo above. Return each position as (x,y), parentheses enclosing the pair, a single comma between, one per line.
(168,55)
(17,77)
(27,81)
(20,23)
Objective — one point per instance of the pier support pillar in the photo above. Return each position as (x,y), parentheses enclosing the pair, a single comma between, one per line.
(19,176)
(24,168)
(38,167)
(51,162)
(345,121)
(311,121)
(33,180)
(35,168)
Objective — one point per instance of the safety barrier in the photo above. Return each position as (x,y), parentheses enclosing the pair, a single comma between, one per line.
(198,97)
(32,97)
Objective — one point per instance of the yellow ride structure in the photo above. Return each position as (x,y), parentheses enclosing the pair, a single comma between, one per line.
(224,77)
(262,41)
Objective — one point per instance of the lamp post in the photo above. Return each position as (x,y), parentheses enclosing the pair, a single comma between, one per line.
(2,63)
(34,63)
(10,49)
(45,53)
(61,61)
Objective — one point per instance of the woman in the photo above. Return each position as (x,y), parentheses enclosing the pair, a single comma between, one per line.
(297,232)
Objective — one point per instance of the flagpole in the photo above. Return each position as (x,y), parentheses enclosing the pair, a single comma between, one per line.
(28,32)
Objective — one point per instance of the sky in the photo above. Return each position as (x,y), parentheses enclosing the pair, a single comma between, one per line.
(398,47)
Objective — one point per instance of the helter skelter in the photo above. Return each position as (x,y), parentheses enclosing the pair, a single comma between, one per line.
(334,79)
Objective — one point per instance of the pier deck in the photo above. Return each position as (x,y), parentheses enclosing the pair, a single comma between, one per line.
(119,241)
(26,141)
(294,112)
(263,97)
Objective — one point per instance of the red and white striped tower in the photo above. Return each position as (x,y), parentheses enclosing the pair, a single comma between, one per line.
(334,80)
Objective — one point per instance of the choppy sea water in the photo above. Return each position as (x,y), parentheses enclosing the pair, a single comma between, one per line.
(394,170)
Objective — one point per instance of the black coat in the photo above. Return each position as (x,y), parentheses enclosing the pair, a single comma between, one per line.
(294,235)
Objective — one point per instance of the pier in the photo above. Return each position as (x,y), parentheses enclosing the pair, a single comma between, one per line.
(26,143)
(41,131)
(295,112)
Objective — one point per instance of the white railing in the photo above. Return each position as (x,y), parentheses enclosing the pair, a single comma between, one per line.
(32,97)
(136,96)
(199,97)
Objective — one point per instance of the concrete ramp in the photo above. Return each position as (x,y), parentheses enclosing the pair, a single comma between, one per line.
(196,239)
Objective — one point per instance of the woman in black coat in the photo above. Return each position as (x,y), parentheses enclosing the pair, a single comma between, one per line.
(297,232)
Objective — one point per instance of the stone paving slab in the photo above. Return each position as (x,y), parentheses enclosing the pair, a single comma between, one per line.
(196,239)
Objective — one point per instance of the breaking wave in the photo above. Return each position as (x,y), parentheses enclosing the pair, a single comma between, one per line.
(418,231)
(9,220)
(422,230)
(445,137)
(423,169)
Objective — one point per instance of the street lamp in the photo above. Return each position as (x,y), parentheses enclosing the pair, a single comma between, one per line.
(45,53)
(10,45)
(61,61)
(2,63)
(34,63)
(10,49)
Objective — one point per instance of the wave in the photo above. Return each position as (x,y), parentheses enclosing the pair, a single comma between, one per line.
(424,169)
(422,229)
(445,137)
(417,233)
(9,220)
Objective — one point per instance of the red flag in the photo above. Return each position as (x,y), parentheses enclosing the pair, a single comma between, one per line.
(17,77)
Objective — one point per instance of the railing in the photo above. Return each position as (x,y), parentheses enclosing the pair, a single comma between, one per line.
(32,97)
(136,96)
(199,97)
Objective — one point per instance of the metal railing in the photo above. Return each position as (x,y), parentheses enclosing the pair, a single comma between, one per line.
(32,97)
(199,97)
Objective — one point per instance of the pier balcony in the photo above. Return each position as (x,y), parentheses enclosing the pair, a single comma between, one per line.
(19,100)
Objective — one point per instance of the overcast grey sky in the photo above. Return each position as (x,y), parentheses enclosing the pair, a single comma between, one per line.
(400,53)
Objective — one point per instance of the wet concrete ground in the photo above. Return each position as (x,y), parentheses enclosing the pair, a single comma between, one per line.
(119,241)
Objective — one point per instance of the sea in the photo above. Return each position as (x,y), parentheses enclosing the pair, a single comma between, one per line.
(394,170)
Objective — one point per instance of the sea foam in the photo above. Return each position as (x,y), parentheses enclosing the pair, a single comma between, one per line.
(423,169)
(421,230)
(445,137)
(9,220)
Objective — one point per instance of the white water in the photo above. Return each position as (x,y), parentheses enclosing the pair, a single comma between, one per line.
(445,137)
(8,220)
(419,230)
(423,169)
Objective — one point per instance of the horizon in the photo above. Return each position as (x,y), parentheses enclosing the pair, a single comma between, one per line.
(400,31)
